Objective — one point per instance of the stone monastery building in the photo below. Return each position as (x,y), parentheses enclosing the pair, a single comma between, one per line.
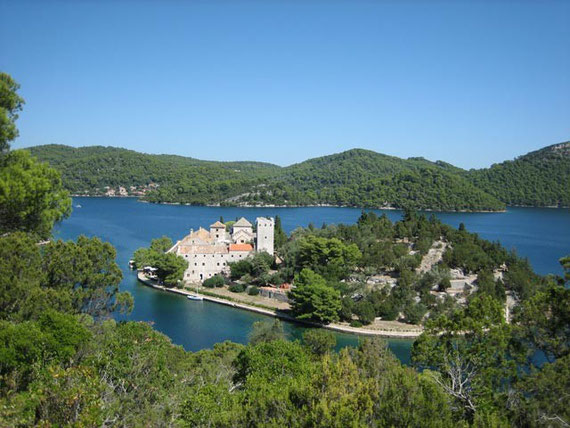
(209,252)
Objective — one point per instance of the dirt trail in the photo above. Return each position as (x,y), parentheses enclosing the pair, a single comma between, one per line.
(433,257)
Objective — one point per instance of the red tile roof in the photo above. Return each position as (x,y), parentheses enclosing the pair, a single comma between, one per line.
(241,247)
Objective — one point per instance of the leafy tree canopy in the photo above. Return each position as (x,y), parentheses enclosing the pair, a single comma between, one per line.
(313,299)
(170,267)
(10,104)
(263,331)
(76,277)
(32,197)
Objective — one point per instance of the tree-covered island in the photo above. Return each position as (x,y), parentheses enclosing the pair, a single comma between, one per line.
(64,360)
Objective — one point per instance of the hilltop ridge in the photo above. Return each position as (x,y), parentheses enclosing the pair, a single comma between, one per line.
(355,177)
(539,178)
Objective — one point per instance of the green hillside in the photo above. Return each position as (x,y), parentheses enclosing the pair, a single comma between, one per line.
(540,178)
(89,170)
(353,178)
(365,178)
(356,177)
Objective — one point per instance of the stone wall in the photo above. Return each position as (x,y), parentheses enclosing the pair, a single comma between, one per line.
(204,266)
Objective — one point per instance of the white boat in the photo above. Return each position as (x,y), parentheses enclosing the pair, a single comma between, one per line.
(77,206)
(194,297)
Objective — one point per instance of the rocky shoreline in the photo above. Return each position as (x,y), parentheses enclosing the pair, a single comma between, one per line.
(388,208)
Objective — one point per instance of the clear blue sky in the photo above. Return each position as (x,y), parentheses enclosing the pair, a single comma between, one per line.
(468,82)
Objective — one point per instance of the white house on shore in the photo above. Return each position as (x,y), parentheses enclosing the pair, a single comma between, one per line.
(209,252)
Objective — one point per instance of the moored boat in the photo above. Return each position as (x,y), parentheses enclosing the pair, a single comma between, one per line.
(194,297)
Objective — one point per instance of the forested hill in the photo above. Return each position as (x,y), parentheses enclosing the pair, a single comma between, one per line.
(540,178)
(365,178)
(353,178)
(93,170)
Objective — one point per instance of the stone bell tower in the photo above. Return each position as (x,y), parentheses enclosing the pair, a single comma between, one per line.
(265,233)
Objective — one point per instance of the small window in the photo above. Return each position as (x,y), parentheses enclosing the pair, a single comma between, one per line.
(203,264)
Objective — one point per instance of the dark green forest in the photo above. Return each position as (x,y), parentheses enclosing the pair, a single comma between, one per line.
(64,360)
(365,178)
(88,170)
(540,178)
(353,178)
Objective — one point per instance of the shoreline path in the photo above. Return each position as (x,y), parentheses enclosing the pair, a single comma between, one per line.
(395,334)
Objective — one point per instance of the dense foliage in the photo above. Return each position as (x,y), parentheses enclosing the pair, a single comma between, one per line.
(364,178)
(256,266)
(540,178)
(485,364)
(354,178)
(215,281)
(169,266)
(469,350)
(372,268)
(73,277)
(32,197)
(89,170)
(64,362)
(312,299)
(10,104)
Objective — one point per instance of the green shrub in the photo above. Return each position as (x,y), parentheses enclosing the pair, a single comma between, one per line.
(364,310)
(253,291)
(237,288)
(388,310)
(444,284)
(346,309)
(239,269)
(319,341)
(414,313)
(215,281)
(355,323)
(247,278)
(276,279)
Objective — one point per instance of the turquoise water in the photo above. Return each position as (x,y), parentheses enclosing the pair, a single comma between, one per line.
(542,235)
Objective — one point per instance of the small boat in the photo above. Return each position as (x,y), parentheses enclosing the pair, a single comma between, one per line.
(194,297)
(77,206)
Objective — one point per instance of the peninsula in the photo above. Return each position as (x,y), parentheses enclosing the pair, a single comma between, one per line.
(372,278)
